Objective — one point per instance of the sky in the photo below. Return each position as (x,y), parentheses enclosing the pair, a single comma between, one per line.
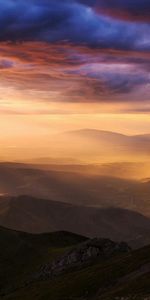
(73,64)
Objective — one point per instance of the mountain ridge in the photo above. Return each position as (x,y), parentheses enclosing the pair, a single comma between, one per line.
(34,215)
(107,132)
(84,268)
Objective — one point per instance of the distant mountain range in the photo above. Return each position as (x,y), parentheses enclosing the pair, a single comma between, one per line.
(75,187)
(92,145)
(84,146)
(38,215)
(99,134)
(125,170)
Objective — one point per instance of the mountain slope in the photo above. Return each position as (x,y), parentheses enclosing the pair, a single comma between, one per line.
(116,276)
(37,215)
(102,146)
(22,253)
(108,136)
(75,187)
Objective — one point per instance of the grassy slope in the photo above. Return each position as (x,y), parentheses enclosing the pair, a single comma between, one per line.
(118,276)
(22,254)
(99,281)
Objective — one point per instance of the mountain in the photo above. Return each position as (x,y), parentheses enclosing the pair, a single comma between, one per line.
(75,187)
(22,253)
(107,270)
(83,146)
(37,215)
(81,255)
(143,136)
(107,135)
(98,134)
(125,170)
(91,145)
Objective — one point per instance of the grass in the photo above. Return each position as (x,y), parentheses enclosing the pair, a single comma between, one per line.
(21,254)
(100,280)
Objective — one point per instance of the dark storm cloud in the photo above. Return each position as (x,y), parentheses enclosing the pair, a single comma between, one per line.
(133,10)
(85,51)
(55,21)
(28,20)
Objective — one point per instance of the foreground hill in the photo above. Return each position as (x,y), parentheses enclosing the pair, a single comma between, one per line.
(112,271)
(22,253)
(38,215)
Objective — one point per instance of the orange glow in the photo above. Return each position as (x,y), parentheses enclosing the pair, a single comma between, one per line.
(44,94)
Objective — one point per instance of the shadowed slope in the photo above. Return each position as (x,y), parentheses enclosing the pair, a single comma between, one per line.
(37,215)
(75,187)
(116,275)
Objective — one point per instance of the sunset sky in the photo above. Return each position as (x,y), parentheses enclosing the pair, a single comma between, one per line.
(73,64)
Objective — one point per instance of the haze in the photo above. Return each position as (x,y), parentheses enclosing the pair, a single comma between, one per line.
(75,88)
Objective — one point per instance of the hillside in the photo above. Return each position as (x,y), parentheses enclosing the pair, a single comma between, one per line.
(38,215)
(118,274)
(75,187)
(22,253)
(92,145)
(125,170)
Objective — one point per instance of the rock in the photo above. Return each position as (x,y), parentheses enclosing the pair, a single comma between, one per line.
(81,255)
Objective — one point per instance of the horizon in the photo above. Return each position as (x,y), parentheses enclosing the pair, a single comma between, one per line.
(72,65)
(74,149)
(75,86)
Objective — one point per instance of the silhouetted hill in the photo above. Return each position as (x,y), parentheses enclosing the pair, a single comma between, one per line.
(22,253)
(37,215)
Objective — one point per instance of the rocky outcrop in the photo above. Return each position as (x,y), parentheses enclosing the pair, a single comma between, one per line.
(81,255)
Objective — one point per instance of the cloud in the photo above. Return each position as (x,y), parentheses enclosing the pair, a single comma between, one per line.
(54,21)
(122,9)
(64,73)
(75,51)
(108,89)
